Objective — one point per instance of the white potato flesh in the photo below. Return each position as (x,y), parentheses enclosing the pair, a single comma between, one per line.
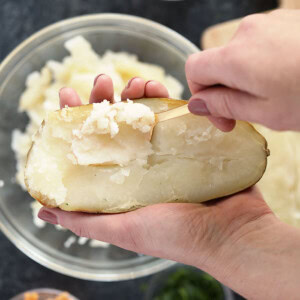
(190,161)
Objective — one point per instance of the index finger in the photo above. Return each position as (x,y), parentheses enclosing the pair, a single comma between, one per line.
(207,68)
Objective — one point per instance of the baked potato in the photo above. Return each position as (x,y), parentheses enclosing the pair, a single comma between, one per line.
(99,158)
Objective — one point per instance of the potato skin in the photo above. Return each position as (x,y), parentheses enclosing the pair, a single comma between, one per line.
(82,113)
(42,199)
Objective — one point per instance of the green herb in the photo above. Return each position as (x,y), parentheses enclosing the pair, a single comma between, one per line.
(144,286)
(187,284)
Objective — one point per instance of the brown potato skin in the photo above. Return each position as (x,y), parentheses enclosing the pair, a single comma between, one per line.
(83,113)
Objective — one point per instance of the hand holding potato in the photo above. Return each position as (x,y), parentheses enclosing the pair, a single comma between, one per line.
(237,239)
(232,239)
(102,157)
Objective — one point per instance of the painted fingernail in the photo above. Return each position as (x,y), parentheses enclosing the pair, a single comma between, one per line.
(149,82)
(96,78)
(61,89)
(198,107)
(48,217)
(129,82)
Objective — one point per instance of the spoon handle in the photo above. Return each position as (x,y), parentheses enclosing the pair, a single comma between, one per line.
(173,113)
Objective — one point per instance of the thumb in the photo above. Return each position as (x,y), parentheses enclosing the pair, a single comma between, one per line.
(117,229)
(220,101)
(151,230)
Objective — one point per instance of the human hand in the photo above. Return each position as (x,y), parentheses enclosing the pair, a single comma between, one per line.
(222,238)
(103,90)
(254,78)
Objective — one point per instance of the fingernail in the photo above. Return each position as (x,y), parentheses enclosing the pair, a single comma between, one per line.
(48,217)
(198,107)
(149,82)
(61,89)
(96,78)
(129,82)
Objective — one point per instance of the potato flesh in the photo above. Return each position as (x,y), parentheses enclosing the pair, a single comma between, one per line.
(192,162)
(46,169)
(114,134)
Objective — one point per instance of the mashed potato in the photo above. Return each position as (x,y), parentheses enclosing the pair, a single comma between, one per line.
(114,134)
(281,183)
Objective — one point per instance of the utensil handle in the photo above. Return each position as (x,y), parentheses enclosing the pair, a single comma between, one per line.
(173,113)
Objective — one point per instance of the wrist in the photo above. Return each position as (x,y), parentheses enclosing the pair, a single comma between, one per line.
(261,261)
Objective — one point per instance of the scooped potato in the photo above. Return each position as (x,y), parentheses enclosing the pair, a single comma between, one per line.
(100,158)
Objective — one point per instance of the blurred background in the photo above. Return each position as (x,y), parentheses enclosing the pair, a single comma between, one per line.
(18,20)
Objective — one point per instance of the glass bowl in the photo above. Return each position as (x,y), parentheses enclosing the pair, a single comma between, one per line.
(152,43)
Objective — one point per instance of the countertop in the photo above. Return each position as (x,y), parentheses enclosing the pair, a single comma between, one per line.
(18,20)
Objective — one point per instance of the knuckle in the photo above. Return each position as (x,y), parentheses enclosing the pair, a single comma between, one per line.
(82,231)
(190,63)
(228,54)
(225,105)
(250,23)
(76,224)
(233,55)
(278,12)
(235,58)
(221,106)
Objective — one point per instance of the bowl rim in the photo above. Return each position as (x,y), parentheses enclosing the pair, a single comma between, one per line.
(8,229)
(89,17)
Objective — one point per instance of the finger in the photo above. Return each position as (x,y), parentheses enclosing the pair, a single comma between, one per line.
(67,96)
(141,230)
(154,89)
(135,89)
(230,104)
(223,124)
(124,230)
(105,227)
(207,68)
(103,89)
(195,87)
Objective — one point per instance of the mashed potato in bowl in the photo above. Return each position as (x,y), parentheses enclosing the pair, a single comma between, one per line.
(280,183)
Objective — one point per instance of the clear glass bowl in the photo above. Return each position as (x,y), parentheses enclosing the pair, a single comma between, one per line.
(152,43)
